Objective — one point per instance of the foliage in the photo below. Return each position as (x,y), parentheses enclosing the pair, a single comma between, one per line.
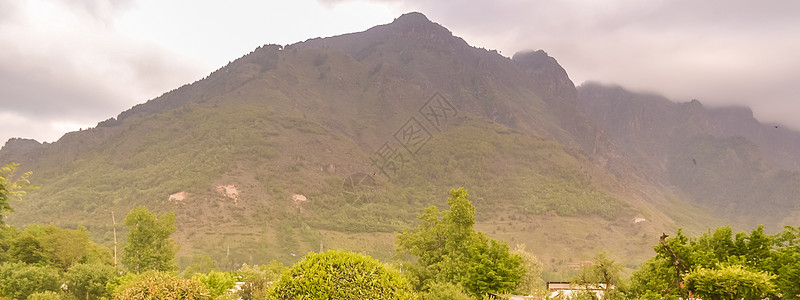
(785,261)
(341,275)
(729,283)
(12,188)
(257,279)
(448,249)
(444,291)
(216,282)
(201,264)
(89,280)
(62,248)
(149,246)
(18,280)
(155,284)
(723,262)
(532,282)
(46,295)
(602,271)
(7,235)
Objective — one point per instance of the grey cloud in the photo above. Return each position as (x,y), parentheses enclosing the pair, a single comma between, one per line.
(721,51)
(53,80)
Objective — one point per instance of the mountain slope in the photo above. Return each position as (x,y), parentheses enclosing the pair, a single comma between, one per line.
(707,155)
(339,142)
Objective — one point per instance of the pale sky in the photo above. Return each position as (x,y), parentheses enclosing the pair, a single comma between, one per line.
(69,64)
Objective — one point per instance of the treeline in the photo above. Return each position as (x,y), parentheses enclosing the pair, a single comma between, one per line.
(722,265)
(47,262)
(443,257)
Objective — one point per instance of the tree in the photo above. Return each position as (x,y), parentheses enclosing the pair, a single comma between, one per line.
(257,279)
(86,281)
(720,257)
(216,282)
(785,262)
(160,285)
(18,280)
(12,188)
(603,272)
(730,282)
(149,246)
(341,275)
(449,250)
(62,248)
(445,291)
(532,281)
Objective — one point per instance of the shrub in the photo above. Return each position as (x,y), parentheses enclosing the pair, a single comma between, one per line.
(46,295)
(341,275)
(160,285)
(18,281)
(85,280)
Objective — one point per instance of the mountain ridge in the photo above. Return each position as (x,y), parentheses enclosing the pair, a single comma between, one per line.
(312,119)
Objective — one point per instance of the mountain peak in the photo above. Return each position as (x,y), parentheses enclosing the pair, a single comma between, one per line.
(417,22)
(18,146)
(533,59)
(412,18)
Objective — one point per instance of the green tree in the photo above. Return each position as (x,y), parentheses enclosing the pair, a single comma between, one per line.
(200,264)
(12,188)
(730,282)
(341,275)
(722,254)
(62,248)
(8,234)
(149,246)
(444,291)
(532,282)
(257,279)
(18,280)
(160,285)
(448,249)
(785,262)
(46,295)
(88,281)
(603,272)
(216,282)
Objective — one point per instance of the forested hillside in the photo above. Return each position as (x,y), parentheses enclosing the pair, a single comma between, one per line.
(340,142)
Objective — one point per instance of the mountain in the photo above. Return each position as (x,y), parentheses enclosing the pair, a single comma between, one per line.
(720,158)
(339,142)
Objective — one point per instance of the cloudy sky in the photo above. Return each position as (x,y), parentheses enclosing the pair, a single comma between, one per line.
(68,64)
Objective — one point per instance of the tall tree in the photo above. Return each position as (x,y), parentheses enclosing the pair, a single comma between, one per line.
(603,272)
(149,246)
(448,249)
(532,281)
(11,187)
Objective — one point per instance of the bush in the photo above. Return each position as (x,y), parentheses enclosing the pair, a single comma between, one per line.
(47,295)
(445,291)
(18,281)
(160,285)
(341,275)
(257,279)
(217,283)
(89,280)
